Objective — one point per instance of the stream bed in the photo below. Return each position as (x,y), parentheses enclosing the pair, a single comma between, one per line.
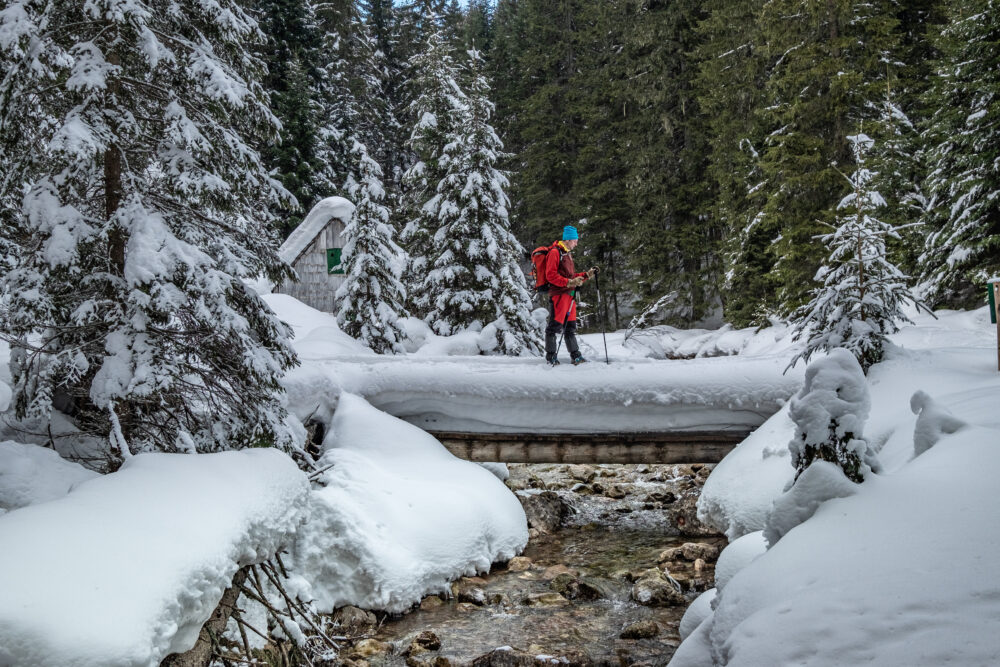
(615,556)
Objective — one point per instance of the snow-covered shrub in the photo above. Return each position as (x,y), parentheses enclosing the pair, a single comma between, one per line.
(860,301)
(830,414)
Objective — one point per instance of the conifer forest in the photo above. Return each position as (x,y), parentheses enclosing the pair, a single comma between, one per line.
(703,147)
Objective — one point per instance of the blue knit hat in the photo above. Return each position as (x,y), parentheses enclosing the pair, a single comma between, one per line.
(569,233)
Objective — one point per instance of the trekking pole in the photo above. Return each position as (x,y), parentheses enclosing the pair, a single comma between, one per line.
(604,321)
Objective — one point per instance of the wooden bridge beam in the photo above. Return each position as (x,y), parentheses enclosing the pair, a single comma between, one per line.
(672,447)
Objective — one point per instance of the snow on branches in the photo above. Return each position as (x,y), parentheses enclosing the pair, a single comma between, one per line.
(860,301)
(469,275)
(370,300)
(128,133)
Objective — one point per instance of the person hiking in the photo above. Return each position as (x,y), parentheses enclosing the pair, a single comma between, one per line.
(562,280)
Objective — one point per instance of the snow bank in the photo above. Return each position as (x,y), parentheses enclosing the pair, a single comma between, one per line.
(320,215)
(696,613)
(127,567)
(737,496)
(30,474)
(899,570)
(953,356)
(400,517)
(737,555)
(901,573)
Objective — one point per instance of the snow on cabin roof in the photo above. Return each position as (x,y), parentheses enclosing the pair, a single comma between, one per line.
(319,217)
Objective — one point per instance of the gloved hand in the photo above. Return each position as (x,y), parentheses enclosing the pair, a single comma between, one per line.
(574,282)
(591,273)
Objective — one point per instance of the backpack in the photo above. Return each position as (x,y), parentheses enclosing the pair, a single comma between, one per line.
(538,257)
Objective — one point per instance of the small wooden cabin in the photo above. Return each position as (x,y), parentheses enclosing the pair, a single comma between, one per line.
(314,251)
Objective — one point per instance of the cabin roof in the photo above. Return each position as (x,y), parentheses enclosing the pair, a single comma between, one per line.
(317,220)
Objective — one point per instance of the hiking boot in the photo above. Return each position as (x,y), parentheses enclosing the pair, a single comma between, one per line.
(579,360)
(552,361)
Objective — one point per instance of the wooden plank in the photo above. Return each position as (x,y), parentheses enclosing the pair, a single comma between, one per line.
(668,447)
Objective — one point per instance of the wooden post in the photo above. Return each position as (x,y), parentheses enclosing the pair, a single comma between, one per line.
(994,286)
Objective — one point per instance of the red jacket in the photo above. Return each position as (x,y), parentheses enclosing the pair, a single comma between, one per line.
(559,269)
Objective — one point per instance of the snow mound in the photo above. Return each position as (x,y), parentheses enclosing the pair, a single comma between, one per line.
(737,496)
(933,422)
(127,567)
(820,482)
(30,474)
(320,215)
(399,517)
(900,573)
(696,612)
(737,555)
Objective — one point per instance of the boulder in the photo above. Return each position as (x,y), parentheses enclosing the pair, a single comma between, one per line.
(354,621)
(519,564)
(654,589)
(366,648)
(469,590)
(545,511)
(431,602)
(583,473)
(422,643)
(615,492)
(505,657)
(640,630)
(550,599)
(690,551)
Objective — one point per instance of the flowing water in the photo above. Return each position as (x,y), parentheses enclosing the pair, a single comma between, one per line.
(569,599)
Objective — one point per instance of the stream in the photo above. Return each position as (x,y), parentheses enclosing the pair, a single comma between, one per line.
(591,588)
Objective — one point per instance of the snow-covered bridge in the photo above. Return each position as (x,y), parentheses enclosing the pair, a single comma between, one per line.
(634,409)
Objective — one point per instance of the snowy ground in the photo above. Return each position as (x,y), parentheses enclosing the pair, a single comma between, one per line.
(902,571)
(444,384)
(120,569)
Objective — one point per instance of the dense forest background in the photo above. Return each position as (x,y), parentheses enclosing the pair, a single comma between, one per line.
(701,145)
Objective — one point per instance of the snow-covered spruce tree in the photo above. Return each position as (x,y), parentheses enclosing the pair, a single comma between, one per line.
(370,300)
(126,127)
(438,105)
(963,220)
(860,299)
(474,279)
